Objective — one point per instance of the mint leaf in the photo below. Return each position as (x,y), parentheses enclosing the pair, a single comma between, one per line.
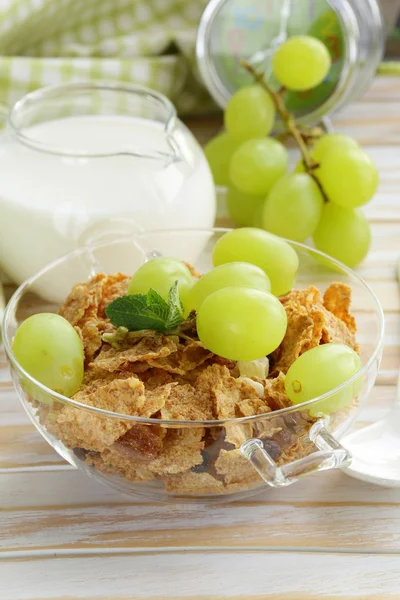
(134,314)
(147,311)
(157,304)
(175,315)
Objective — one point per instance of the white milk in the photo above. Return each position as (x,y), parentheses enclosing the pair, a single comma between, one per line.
(48,201)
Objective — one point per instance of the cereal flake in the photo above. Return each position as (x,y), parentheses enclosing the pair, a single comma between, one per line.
(337,300)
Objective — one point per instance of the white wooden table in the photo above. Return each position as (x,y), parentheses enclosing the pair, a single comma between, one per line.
(63,536)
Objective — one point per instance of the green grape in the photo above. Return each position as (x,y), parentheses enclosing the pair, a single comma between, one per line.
(328,30)
(299,168)
(332,141)
(230,274)
(250,113)
(326,143)
(319,371)
(348,176)
(273,255)
(242,207)
(293,207)
(241,323)
(301,63)
(258,217)
(343,233)
(50,350)
(160,274)
(257,164)
(219,152)
(34,393)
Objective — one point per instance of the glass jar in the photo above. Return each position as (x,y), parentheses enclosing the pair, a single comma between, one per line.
(79,159)
(231,30)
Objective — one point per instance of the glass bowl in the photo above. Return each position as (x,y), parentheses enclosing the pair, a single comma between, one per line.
(178,460)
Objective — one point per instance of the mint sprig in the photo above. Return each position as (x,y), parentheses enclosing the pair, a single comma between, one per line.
(147,311)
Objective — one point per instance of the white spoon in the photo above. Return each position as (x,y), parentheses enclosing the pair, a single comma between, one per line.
(376,448)
(2,306)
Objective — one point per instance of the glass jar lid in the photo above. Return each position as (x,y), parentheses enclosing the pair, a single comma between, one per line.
(231,30)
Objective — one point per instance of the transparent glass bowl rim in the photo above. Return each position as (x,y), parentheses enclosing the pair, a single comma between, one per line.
(13,302)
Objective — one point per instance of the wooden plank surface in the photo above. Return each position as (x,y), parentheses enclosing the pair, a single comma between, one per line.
(202,575)
(64,536)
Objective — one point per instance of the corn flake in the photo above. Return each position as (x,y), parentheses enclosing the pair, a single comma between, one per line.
(148,348)
(251,407)
(154,378)
(307,297)
(299,337)
(156,399)
(84,307)
(335,330)
(235,468)
(185,359)
(187,404)
(143,442)
(80,428)
(237,433)
(275,393)
(182,451)
(337,300)
(310,323)
(112,462)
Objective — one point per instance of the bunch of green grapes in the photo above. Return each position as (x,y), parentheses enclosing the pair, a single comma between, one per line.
(320,203)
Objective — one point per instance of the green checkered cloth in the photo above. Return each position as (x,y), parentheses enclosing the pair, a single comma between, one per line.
(150,42)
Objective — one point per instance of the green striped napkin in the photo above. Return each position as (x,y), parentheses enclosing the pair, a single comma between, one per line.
(150,42)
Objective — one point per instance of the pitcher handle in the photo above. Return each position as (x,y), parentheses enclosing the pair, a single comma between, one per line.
(330,455)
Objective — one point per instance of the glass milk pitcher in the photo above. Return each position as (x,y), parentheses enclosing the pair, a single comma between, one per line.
(79,158)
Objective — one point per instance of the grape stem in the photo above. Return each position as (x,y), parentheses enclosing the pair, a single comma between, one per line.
(300,135)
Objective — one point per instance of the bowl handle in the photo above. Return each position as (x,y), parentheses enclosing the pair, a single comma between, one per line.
(330,455)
